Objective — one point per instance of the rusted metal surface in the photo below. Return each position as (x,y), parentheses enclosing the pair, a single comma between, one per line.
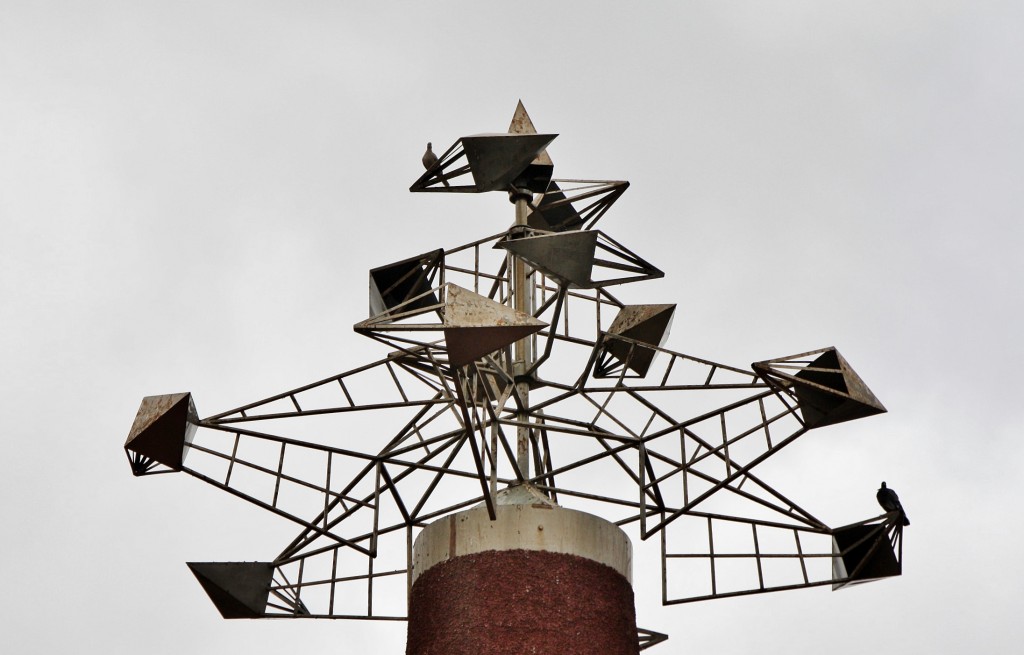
(633,337)
(465,309)
(163,429)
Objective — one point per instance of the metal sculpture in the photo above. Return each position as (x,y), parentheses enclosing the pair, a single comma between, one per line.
(511,363)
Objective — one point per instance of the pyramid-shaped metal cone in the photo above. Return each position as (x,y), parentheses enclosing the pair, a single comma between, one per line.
(862,553)
(648,324)
(537,175)
(394,284)
(554,212)
(568,257)
(574,204)
(475,326)
(827,389)
(523,124)
(239,590)
(497,160)
(163,428)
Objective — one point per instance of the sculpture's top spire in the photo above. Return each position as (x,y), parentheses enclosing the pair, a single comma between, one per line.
(521,124)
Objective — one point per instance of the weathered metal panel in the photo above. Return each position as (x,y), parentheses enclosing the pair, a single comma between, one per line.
(496,160)
(163,428)
(568,256)
(238,589)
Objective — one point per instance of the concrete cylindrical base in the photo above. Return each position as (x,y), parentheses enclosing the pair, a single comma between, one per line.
(540,580)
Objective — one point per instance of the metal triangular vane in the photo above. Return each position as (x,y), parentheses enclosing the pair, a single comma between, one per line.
(865,552)
(826,388)
(396,327)
(475,326)
(523,124)
(486,385)
(404,315)
(615,264)
(537,175)
(496,162)
(648,638)
(574,204)
(568,257)
(162,431)
(398,283)
(239,590)
(634,327)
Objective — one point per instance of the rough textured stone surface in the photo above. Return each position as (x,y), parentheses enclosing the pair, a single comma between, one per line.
(520,602)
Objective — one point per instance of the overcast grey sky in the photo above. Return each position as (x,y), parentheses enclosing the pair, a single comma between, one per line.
(191,194)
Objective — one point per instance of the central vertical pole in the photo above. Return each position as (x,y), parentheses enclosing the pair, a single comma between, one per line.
(523,295)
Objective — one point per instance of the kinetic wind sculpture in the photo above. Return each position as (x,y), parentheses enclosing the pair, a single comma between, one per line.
(516,382)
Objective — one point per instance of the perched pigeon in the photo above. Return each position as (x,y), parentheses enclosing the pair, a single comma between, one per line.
(890,502)
(430,161)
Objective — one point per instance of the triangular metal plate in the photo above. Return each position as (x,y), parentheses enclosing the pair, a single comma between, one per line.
(239,590)
(163,429)
(537,175)
(616,264)
(521,121)
(463,309)
(568,256)
(554,211)
(394,284)
(574,204)
(645,324)
(827,389)
(466,345)
(522,124)
(497,160)
(863,553)
(399,318)
(475,325)
(648,638)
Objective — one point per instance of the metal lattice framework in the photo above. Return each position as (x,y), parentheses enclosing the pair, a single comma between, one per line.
(600,416)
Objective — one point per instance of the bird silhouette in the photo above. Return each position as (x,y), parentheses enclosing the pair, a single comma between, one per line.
(430,161)
(890,502)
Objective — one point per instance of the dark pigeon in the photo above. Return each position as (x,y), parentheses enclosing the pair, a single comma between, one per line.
(890,502)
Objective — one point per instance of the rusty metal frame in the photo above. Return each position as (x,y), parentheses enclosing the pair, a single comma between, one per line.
(475,411)
(671,443)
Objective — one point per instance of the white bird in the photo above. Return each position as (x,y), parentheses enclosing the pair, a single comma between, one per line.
(430,161)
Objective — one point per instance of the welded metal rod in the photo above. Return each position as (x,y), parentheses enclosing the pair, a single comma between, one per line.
(523,296)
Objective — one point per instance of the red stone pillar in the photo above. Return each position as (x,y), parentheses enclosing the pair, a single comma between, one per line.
(539,580)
